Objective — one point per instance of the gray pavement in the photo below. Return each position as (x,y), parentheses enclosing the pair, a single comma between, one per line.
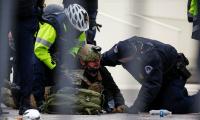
(143,116)
(129,95)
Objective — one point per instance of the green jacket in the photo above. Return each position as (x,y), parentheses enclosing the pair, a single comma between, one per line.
(193,8)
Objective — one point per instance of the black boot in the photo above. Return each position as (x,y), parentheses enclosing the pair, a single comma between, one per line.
(22,110)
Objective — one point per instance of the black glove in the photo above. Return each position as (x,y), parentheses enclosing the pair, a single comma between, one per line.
(90,36)
(91,33)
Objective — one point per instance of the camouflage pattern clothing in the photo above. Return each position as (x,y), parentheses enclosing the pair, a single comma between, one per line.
(70,100)
(105,84)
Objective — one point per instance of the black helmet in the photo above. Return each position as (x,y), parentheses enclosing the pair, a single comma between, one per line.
(52,8)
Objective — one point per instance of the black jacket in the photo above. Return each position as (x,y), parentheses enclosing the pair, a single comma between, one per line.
(150,66)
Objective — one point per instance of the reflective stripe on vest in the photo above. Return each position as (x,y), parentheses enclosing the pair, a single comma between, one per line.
(44,42)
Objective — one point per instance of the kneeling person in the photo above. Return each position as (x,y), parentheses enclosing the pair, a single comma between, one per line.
(99,78)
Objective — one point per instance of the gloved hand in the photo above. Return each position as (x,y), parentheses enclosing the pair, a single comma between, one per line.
(91,33)
(120,109)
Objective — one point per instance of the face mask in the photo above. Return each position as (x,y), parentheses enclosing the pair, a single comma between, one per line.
(92,71)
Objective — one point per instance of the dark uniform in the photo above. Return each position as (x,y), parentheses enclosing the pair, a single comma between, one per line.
(113,97)
(91,7)
(160,70)
(24,28)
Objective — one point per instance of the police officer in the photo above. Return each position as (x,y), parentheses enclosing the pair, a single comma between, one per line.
(159,69)
(58,40)
(91,7)
(99,78)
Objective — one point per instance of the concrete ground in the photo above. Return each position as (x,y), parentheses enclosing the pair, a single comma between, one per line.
(13,116)
(129,95)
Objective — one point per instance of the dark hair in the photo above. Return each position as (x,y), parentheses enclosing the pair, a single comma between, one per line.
(125,49)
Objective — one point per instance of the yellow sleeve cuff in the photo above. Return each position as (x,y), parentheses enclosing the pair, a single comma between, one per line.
(50,64)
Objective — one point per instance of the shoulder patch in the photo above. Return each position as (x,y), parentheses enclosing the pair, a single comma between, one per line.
(115,49)
(148,69)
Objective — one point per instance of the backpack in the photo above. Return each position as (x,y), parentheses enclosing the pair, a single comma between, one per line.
(69,100)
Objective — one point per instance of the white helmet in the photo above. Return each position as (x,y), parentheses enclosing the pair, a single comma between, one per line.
(31,114)
(78,17)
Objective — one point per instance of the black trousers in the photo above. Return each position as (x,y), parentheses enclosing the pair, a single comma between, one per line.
(24,31)
(174,97)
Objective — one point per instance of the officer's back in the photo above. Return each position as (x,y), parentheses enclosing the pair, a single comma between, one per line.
(166,51)
(145,51)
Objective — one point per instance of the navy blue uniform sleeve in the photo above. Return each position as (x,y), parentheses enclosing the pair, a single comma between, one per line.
(112,87)
(151,84)
(109,58)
